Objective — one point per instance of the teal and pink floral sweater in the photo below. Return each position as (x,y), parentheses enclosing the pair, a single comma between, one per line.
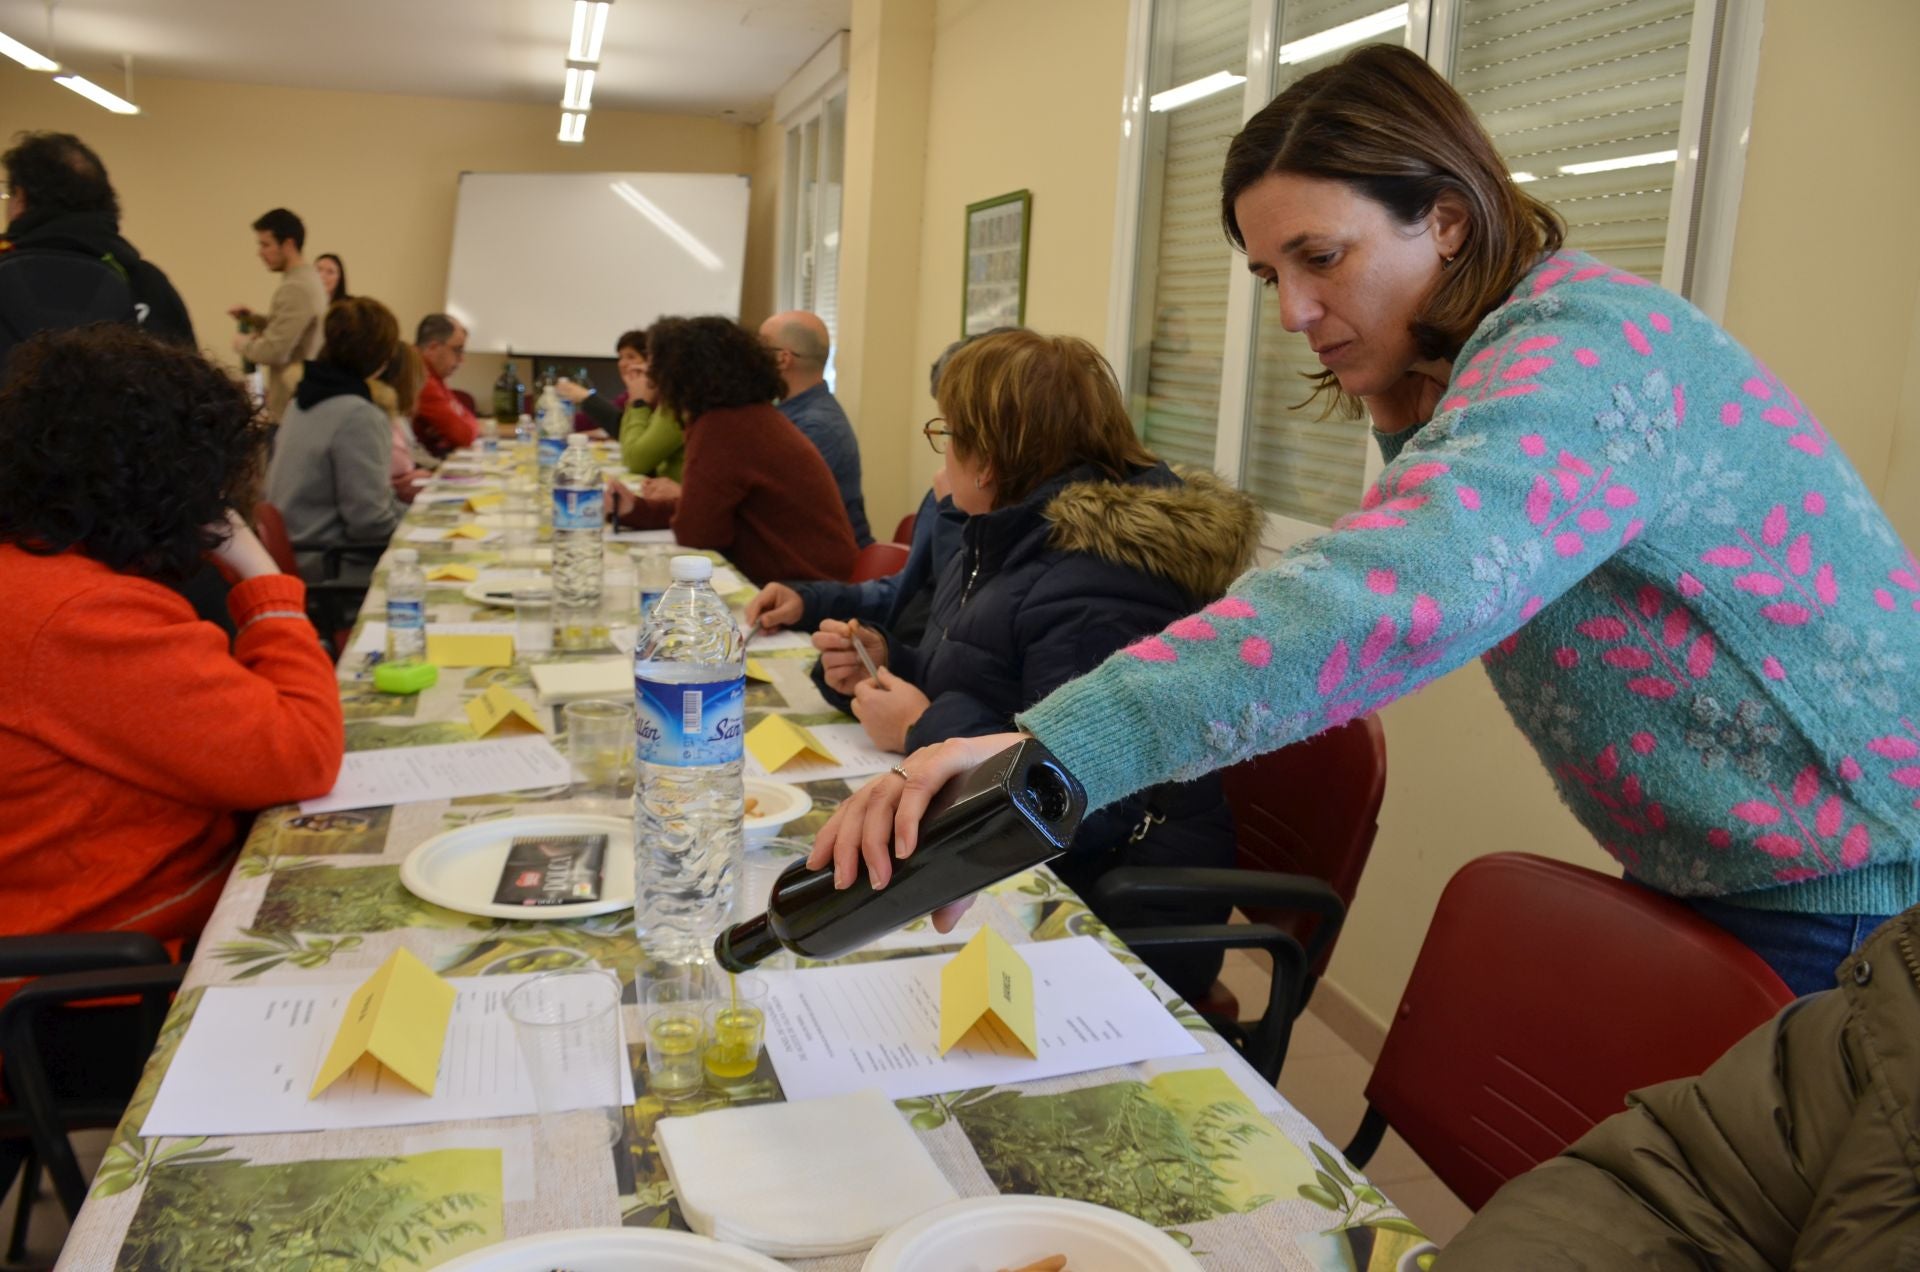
(1681,589)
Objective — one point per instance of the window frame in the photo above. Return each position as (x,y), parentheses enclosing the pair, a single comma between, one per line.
(1722,64)
(793,122)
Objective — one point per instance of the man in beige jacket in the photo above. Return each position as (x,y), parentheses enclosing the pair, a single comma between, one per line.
(291,334)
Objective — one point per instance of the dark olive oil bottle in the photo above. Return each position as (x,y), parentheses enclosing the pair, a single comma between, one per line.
(1014,811)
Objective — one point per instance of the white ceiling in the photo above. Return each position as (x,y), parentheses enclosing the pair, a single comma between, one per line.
(705,57)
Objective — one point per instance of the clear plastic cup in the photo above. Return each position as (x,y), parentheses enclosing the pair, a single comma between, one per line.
(736,1029)
(676,1023)
(600,746)
(568,1027)
(533,619)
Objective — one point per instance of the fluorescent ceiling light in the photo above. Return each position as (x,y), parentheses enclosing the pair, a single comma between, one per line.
(1312,46)
(589,28)
(671,228)
(96,94)
(1207,86)
(25,56)
(573,128)
(1521,178)
(1624,161)
(579,95)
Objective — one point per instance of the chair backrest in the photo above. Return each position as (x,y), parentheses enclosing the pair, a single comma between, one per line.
(877,560)
(466,399)
(1313,809)
(1544,993)
(903,533)
(272,529)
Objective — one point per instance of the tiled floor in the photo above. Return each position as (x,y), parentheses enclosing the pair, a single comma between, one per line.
(1326,1080)
(48,1230)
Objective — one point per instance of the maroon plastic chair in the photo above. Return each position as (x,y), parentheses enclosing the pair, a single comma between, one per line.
(466,399)
(903,533)
(877,560)
(1305,818)
(1544,993)
(271,528)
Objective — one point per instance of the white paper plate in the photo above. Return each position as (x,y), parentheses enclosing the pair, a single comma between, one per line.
(779,804)
(496,587)
(460,869)
(981,1234)
(613,1250)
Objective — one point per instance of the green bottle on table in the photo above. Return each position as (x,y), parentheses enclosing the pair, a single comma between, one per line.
(507,391)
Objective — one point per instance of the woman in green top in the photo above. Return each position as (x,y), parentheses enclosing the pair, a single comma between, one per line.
(651,444)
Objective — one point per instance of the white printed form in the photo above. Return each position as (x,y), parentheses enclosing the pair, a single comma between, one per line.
(409,774)
(251,1053)
(831,1030)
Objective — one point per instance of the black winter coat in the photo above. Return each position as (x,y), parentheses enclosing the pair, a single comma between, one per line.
(1042,592)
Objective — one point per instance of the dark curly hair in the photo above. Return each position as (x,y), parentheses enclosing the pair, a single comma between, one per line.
(635,340)
(124,448)
(701,364)
(59,173)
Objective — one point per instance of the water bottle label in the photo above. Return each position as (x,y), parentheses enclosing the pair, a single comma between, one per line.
(578,509)
(690,725)
(406,614)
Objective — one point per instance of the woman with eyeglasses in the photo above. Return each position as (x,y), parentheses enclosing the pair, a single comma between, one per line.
(1684,593)
(1077,541)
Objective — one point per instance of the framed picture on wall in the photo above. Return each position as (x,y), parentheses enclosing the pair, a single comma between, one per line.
(995,290)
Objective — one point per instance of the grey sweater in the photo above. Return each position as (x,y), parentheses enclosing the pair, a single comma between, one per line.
(329,478)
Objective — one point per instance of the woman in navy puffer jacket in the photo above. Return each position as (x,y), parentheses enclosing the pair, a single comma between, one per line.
(1078,541)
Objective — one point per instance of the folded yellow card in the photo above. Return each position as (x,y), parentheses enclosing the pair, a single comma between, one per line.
(452,573)
(777,740)
(755,671)
(399,1017)
(986,991)
(470,530)
(482,502)
(500,705)
(448,650)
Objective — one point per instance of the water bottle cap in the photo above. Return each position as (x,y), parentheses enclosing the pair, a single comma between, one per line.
(691,569)
(406,556)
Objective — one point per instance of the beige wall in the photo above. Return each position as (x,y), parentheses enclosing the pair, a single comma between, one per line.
(759,292)
(373,176)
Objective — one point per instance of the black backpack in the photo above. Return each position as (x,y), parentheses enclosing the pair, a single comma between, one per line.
(46,290)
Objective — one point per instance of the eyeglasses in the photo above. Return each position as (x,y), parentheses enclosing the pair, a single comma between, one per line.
(936,437)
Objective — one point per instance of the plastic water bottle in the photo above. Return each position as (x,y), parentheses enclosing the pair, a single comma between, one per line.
(689,677)
(651,580)
(406,608)
(526,448)
(555,421)
(579,545)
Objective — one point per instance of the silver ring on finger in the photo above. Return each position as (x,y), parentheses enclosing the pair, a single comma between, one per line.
(901,769)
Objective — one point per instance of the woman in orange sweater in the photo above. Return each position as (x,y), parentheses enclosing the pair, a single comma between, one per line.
(129,733)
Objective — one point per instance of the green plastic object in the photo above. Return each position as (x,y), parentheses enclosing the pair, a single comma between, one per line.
(405,677)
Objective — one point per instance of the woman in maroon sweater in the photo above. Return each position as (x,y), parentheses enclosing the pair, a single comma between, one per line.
(753,486)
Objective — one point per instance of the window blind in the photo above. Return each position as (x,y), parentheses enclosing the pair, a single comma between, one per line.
(1299,462)
(1568,82)
(1180,301)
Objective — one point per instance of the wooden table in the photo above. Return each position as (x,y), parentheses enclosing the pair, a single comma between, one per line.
(1198,1146)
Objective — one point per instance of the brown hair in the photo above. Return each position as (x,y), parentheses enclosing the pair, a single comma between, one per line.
(406,373)
(1385,123)
(1032,406)
(360,335)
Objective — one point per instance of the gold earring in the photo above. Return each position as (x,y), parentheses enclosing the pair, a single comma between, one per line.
(979,483)
(1446,262)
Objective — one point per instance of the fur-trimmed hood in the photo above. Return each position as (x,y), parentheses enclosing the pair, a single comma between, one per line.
(1195,530)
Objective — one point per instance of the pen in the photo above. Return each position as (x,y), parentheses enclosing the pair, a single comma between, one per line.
(860,648)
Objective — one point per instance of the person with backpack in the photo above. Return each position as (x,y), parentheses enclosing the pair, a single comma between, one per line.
(63,262)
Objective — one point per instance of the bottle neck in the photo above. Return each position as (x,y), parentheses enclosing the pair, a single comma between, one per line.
(746,945)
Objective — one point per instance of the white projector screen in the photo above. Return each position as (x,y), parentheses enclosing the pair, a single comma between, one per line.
(562,263)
